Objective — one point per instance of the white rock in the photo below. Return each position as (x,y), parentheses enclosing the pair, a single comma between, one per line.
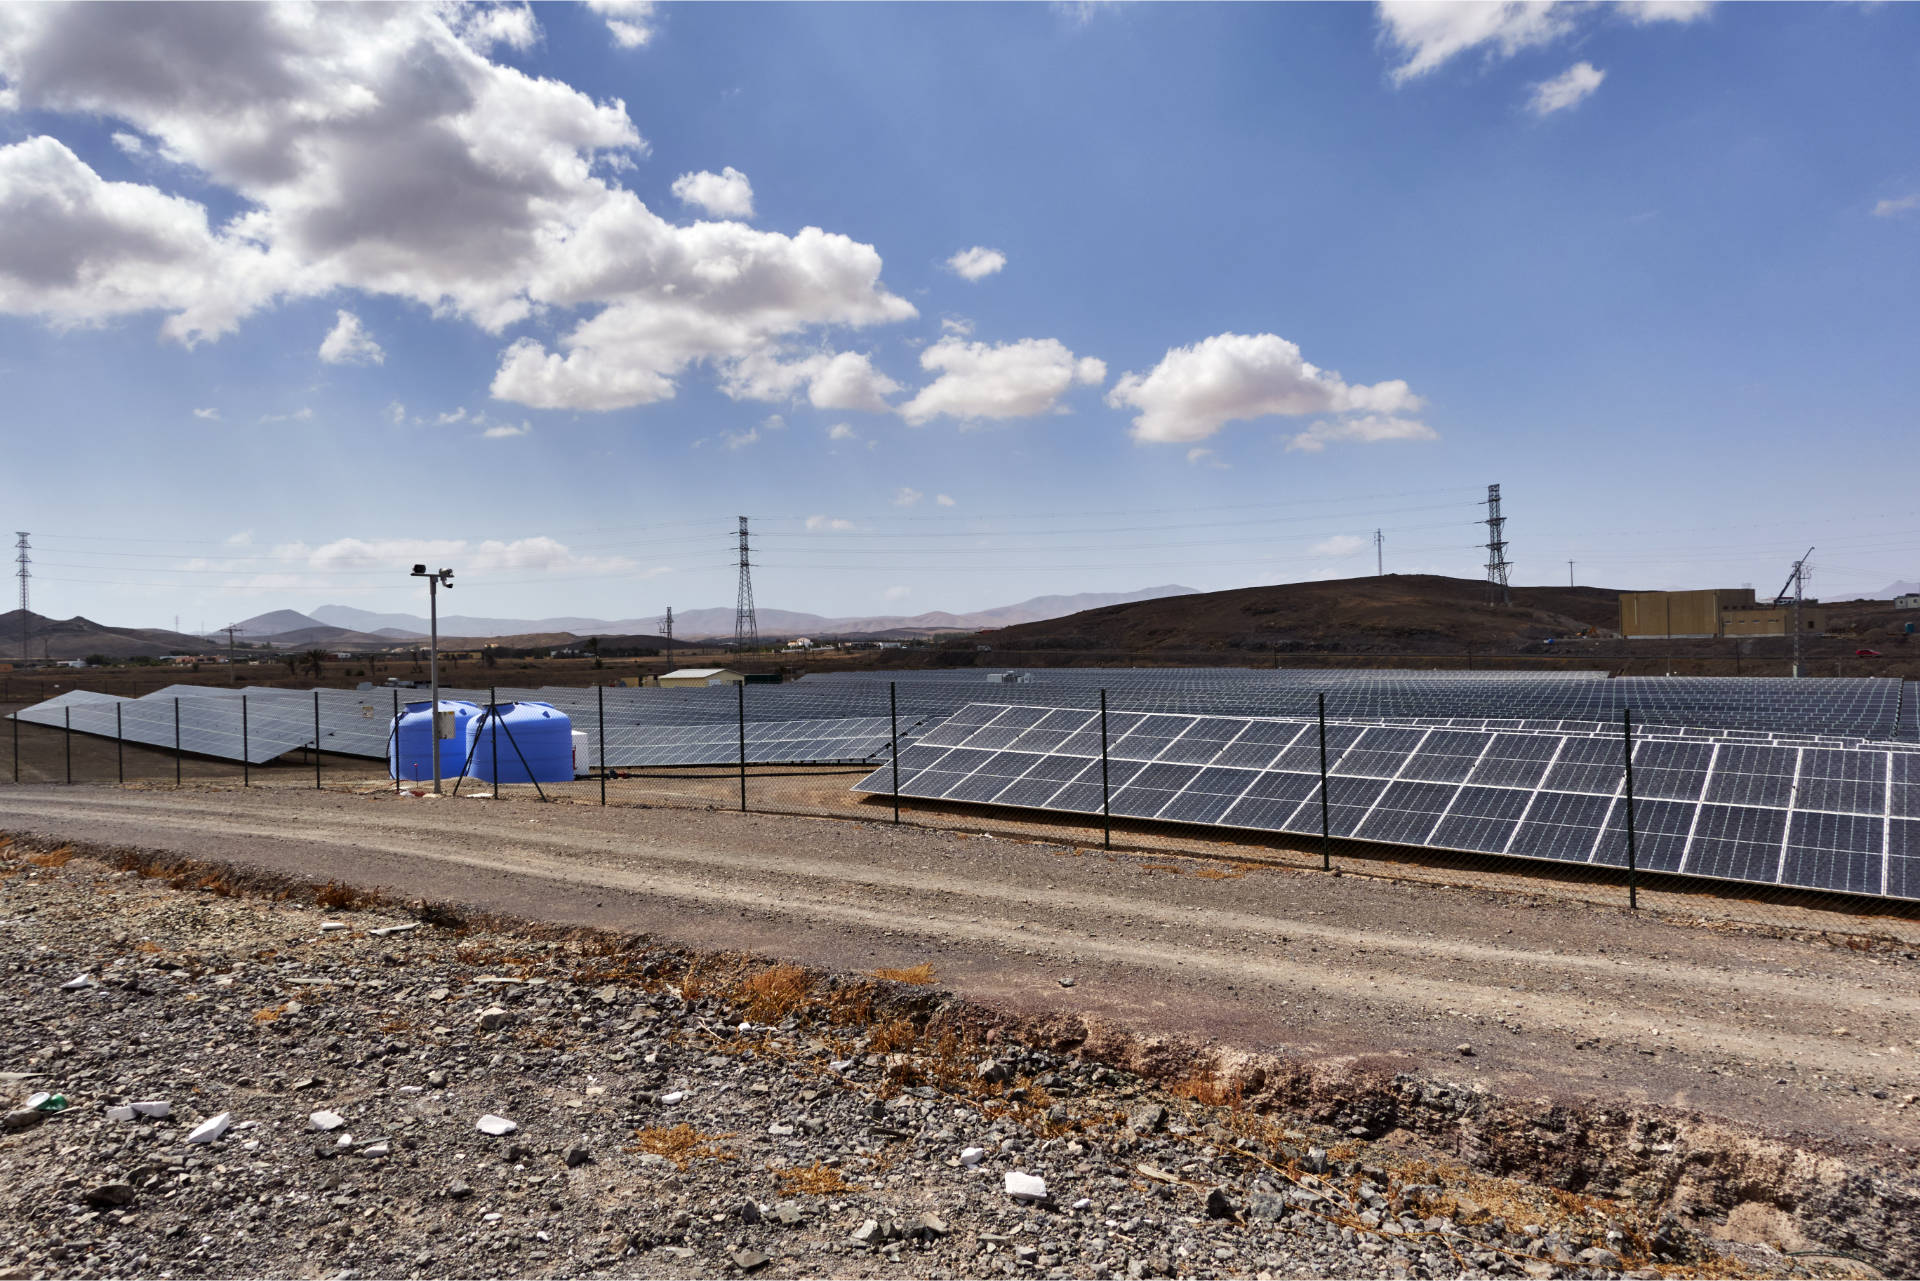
(153,1107)
(375,1149)
(344,1141)
(678,1096)
(326,1120)
(384,931)
(120,1114)
(972,1156)
(1083,1203)
(412,1089)
(328,927)
(74,985)
(211,1128)
(1026,1187)
(496,1125)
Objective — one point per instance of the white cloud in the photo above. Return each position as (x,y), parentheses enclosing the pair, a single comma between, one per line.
(481,27)
(397,413)
(297,416)
(129,142)
(211,415)
(469,559)
(1365,429)
(349,343)
(944,500)
(1198,454)
(1568,89)
(956,327)
(1339,545)
(897,593)
(726,194)
(905,497)
(374,148)
(834,380)
(841,431)
(506,431)
(976,263)
(244,538)
(818,524)
(1426,34)
(1894,208)
(1012,380)
(738,440)
(628,20)
(1196,390)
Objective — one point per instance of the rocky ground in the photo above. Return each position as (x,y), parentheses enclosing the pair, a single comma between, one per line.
(408,1097)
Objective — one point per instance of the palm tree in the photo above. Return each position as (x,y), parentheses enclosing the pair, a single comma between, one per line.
(315,658)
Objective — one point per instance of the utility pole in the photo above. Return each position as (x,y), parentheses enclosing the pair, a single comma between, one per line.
(746,627)
(1497,563)
(1379,554)
(1796,583)
(1569,573)
(26,617)
(666,630)
(435,581)
(233,654)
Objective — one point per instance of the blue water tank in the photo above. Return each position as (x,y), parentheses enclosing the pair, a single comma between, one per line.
(408,754)
(532,736)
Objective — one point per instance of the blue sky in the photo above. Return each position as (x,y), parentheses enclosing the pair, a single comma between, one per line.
(291,298)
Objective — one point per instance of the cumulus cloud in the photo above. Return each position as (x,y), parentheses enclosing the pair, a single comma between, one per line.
(906,497)
(976,263)
(211,415)
(841,431)
(726,194)
(507,431)
(1365,429)
(897,592)
(349,343)
(628,21)
(1339,545)
(297,416)
(130,143)
(1196,390)
(1894,208)
(377,148)
(469,558)
(738,440)
(834,380)
(1426,34)
(819,524)
(945,500)
(1570,88)
(1011,380)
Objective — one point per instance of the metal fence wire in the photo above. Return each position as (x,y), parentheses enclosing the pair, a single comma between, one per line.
(1074,764)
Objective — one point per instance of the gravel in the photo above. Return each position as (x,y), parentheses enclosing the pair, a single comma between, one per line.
(342,1103)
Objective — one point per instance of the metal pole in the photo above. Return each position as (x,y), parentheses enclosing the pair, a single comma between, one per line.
(246,770)
(16,740)
(69,743)
(1106,809)
(119,747)
(893,716)
(176,742)
(741,690)
(1326,838)
(316,740)
(394,735)
(493,734)
(433,677)
(1626,736)
(600,693)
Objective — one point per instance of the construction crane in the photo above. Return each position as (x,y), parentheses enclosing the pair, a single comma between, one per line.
(1796,582)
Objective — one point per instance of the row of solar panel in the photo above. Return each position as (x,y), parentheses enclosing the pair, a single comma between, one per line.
(1846,819)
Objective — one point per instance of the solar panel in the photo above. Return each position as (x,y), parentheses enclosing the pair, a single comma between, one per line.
(1819,817)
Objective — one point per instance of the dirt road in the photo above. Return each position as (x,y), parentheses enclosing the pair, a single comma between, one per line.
(1553,1000)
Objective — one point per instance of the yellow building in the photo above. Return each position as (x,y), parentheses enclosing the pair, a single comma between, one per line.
(696,677)
(1711,612)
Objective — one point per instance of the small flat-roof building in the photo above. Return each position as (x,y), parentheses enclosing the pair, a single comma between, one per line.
(1712,612)
(699,677)
(1907,602)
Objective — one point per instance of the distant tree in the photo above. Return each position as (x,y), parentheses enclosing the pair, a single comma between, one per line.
(489,657)
(98,660)
(293,664)
(593,646)
(315,660)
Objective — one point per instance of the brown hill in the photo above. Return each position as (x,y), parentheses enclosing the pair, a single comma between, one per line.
(80,637)
(1397,613)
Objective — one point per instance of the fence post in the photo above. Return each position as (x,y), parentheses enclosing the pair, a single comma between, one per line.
(119,748)
(1106,808)
(69,736)
(316,740)
(1626,738)
(741,691)
(176,742)
(600,693)
(893,718)
(395,737)
(16,740)
(1326,839)
(246,768)
(493,734)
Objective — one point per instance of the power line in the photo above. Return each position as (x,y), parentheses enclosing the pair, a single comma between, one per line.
(746,627)
(26,616)
(1497,563)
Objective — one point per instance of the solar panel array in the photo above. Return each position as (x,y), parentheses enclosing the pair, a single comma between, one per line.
(1830,818)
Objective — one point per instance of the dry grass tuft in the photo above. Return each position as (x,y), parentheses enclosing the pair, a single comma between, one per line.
(682,1144)
(1203,1088)
(895,1036)
(268,1013)
(1219,873)
(773,994)
(916,975)
(335,895)
(814,1180)
(218,883)
(52,858)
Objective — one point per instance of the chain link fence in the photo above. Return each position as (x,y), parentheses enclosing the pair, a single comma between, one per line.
(749,776)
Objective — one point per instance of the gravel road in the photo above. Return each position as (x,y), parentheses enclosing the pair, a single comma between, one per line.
(1553,1000)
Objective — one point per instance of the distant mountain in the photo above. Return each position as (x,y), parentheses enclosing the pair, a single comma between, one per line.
(82,637)
(1901,588)
(719,621)
(278,623)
